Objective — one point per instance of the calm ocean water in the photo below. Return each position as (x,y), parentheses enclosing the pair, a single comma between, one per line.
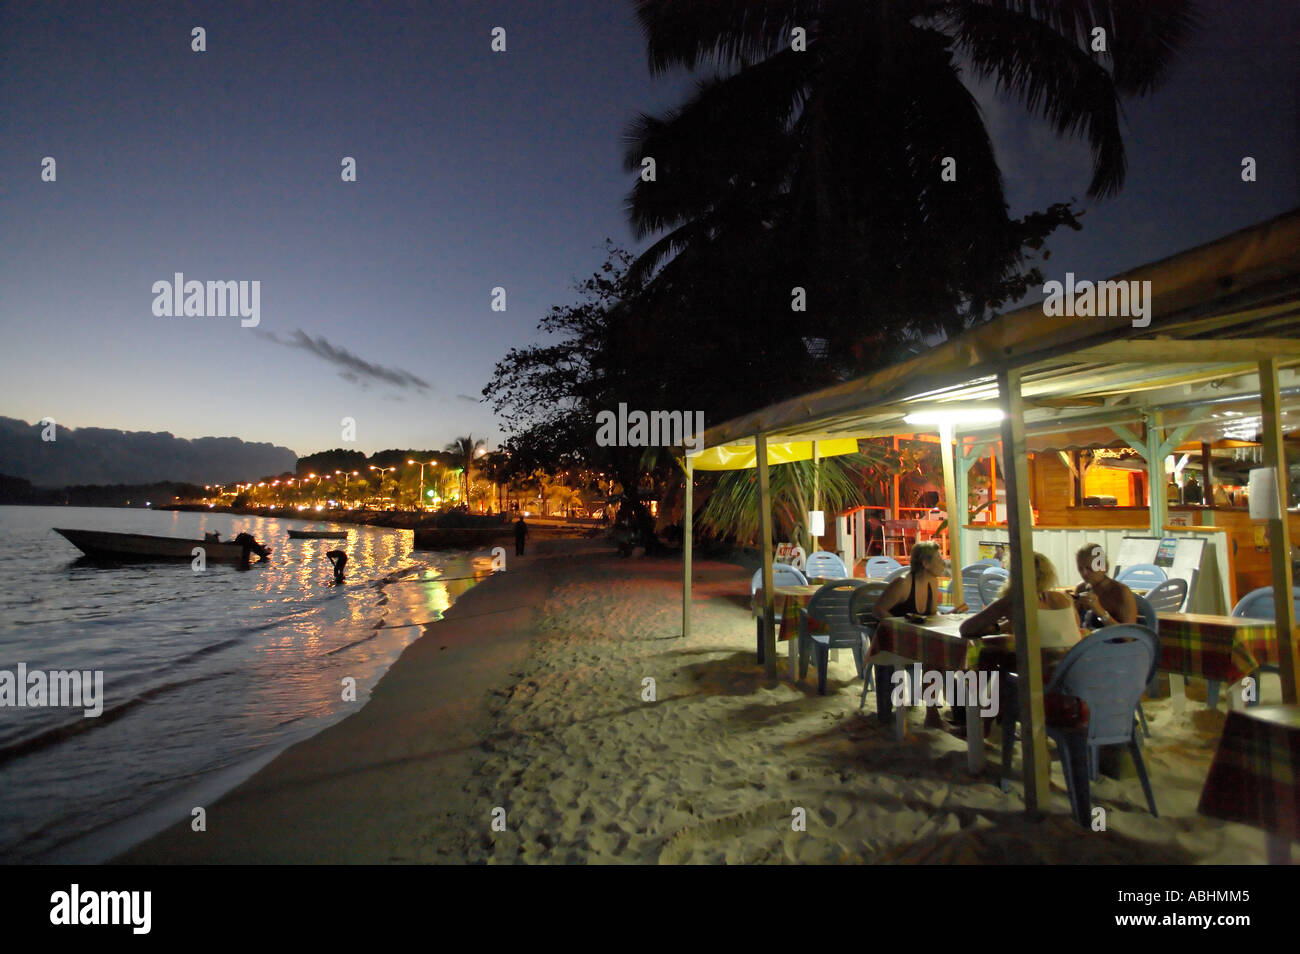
(206,675)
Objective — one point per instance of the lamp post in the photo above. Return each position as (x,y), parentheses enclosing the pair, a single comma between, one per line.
(346,474)
(381,471)
(423,464)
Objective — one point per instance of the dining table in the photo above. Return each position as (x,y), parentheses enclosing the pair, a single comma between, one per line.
(1255,776)
(787,602)
(938,646)
(1214,648)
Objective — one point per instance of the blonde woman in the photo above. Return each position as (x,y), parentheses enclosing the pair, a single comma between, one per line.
(1058,623)
(918,591)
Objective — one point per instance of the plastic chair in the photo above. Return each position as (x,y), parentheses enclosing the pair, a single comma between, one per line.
(896,573)
(1148,619)
(782,575)
(1257,604)
(970,583)
(830,605)
(1146,575)
(822,564)
(1168,597)
(990,582)
(1108,671)
(881,566)
(862,605)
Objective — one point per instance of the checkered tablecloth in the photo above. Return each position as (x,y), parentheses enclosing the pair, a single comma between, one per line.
(1224,648)
(937,645)
(1255,778)
(788,600)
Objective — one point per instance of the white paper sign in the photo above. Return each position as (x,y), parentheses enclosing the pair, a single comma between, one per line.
(816,523)
(1263,494)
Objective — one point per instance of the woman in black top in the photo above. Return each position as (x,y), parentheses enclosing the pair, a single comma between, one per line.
(917,591)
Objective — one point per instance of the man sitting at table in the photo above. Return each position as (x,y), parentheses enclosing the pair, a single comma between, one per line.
(1100,600)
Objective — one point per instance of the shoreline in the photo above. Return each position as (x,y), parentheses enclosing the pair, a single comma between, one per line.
(342,795)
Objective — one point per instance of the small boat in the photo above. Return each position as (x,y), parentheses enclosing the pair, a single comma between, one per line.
(133,547)
(318,534)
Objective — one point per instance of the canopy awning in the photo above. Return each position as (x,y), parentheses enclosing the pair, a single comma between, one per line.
(741,456)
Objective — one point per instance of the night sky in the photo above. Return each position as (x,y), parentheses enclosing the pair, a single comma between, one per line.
(475,169)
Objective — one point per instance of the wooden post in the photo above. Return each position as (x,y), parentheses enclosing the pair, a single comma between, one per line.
(956,508)
(993,487)
(1207,483)
(1155,477)
(816,500)
(1024,594)
(765,541)
(963,494)
(1279,549)
(688,533)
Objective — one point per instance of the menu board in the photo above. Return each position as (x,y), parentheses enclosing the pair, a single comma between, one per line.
(1179,557)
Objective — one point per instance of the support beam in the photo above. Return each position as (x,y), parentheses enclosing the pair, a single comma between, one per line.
(765,548)
(688,535)
(1168,351)
(1279,548)
(963,494)
(1158,507)
(1024,595)
(956,508)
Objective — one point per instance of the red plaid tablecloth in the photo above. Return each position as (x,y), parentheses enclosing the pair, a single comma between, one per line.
(1225,648)
(788,600)
(1255,778)
(936,645)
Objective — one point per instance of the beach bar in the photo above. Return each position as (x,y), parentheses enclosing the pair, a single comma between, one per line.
(1223,335)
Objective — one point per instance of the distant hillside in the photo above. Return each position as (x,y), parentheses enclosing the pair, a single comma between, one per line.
(96,455)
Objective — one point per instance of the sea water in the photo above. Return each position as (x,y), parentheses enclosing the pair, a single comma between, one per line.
(207,675)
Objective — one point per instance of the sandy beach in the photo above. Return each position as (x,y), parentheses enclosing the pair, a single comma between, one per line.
(532,697)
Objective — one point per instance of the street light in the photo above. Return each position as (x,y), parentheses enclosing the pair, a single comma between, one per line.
(381,475)
(346,475)
(423,464)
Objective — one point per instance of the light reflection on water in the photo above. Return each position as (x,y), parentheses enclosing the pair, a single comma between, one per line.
(202,671)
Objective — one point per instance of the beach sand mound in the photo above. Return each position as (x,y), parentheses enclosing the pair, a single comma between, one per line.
(619,741)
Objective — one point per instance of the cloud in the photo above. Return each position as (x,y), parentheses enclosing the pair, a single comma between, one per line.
(466,398)
(352,368)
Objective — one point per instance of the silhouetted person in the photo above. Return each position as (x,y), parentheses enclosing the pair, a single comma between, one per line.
(340,560)
(521,535)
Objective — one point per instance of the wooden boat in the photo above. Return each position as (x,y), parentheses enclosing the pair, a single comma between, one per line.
(134,547)
(318,534)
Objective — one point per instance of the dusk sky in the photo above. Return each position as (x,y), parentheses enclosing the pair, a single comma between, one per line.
(475,169)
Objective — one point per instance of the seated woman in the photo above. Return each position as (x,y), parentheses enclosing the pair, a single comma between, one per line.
(1058,624)
(918,591)
(1099,598)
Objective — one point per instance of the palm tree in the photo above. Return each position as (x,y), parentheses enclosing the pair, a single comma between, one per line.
(821,167)
(465,450)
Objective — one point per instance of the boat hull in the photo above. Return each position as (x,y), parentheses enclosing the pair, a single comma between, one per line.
(318,534)
(138,547)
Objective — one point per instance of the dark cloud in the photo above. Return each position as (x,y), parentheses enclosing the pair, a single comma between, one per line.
(467,398)
(354,369)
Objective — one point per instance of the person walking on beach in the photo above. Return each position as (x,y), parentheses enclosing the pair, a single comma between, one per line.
(521,534)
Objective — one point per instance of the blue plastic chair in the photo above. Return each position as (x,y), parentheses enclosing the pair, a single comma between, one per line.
(1148,619)
(970,583)
(881,566)
(1168,597)
(862,605)
(991,581)
(822,564)
(1257,604)
(830,605)
(1145,575)
(895,574)
(1108,671)
(782,575)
